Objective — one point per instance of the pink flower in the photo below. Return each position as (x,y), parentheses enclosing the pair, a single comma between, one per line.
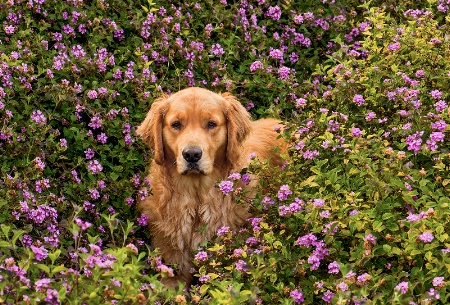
(95,167)
(327,296)
(426,237)
(436,94)
(92,94)
(372,239)
(38,117)
(358,99)
(342,286)
(226,186)
(297,296)
(402,287)
(216,49)
(256,65)
(333,268)
(201,256)
(274,12)
(356,132)
(394,47)
(143,220)
(39,252)
(241,266)
(276,54)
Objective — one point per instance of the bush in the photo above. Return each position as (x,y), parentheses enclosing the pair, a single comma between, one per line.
(358,215)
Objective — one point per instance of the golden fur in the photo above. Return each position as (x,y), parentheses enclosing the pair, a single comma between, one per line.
(185,208)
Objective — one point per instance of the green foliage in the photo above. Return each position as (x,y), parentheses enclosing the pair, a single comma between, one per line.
(359,214)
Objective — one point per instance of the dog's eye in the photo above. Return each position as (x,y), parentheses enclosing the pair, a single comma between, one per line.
(211,125)
(176,125)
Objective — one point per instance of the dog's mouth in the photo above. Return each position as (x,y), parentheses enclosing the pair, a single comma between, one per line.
(193,168)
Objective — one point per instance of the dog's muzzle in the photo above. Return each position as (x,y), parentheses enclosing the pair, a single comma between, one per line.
(192,155)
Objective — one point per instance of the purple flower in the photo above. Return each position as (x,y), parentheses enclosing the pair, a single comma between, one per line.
(284,72)
(370,116)
(256,65)
(284,192)
(92,94)
(310,154)
(201,256)
(234,176)
(434,294)
(42,284)
(358,99)
(143,220)
(245,179)
(437,136)
(356,132)
(342,286)
(84,225)
(325,214)
(426,237)
(306,240)
(226,186)
(276,54)
(414,141)
(439,125)
(370,238)
(394,47)
(327,296)
(318,202)
(241,266)
(436,94)
(89,153)
(300,103)
(440,106)
(39,252)
(333,268)
(420,73)
(251,241)
(439,282)
(63,142)
(204,278)
(52,297)
(38,117)
(129,201)
(402,287)
(102,138)
(9,29)
(297,296)
(216,49)
(95,167)
(223,230)
(94,194)
(96,122)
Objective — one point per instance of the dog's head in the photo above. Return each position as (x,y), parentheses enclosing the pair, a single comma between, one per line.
(196,130)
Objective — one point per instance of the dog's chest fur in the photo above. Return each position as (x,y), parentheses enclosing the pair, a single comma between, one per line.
(191,212)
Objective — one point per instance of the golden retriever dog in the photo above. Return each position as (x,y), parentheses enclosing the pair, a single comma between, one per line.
(199,138)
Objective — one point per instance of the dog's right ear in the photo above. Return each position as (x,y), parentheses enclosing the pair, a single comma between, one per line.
(150,129)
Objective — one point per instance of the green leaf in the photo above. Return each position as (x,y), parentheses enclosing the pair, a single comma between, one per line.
(44,268)
(378,226)
(114,176)
(6,230)
(4,244)
(58,269)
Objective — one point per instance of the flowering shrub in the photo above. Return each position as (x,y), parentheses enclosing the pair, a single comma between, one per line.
(359,214)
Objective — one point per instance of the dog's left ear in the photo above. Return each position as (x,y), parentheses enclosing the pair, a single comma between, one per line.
(150,129)
(238,126)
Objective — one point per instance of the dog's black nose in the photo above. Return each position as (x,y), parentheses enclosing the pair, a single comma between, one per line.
(192,154)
